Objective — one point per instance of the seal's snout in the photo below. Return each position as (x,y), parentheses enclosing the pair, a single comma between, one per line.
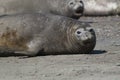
(79,10)
(85,35)
(79,7)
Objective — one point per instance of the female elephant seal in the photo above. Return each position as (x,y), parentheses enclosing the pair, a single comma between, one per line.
(69,8)
(101,8)
(29,34)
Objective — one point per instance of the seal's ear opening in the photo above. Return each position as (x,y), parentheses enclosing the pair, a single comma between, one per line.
(91,30)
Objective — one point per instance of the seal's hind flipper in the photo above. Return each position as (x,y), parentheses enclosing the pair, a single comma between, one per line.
(3,15)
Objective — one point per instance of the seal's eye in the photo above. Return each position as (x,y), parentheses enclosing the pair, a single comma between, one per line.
(81,1)
(78,32)
(91,30)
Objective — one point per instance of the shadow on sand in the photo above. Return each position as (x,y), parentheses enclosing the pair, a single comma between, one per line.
(14,55)
(93,52)
(98,52)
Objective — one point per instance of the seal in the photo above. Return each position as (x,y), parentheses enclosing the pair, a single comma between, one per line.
(30,34)
(69,8)
(101,8)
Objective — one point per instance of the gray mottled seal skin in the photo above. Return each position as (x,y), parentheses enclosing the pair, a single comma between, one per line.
(69,8)
(30,34)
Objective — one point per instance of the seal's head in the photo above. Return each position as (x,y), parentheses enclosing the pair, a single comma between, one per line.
(82,38)
(85,36)
(76,8)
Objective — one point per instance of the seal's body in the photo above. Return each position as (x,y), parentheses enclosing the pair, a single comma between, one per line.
(69,8)
(28,34)
(101,8)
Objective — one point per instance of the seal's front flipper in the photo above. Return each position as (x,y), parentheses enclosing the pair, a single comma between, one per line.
(25,53)
(118,9)
(34,46)
(2,12)
(4,53)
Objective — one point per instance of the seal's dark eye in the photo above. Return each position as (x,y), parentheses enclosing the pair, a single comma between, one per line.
(71,3)
(78,32)
(81,1)
(91,30)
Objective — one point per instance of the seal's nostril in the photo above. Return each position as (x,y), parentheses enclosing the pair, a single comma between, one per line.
(71,3)
(79,9)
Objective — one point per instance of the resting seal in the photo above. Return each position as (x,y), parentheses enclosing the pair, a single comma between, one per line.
(69,8)
(29,34)
(101,8)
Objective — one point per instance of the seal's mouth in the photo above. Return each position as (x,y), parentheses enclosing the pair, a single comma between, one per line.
(87,42)
(78,12)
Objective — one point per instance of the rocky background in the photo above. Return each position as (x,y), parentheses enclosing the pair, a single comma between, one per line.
(102,64)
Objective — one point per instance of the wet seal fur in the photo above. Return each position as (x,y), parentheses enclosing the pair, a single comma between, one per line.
(69,8)
(30,34)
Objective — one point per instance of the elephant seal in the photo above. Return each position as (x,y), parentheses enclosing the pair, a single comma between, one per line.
(69,8)
(30,34)
(101,8)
